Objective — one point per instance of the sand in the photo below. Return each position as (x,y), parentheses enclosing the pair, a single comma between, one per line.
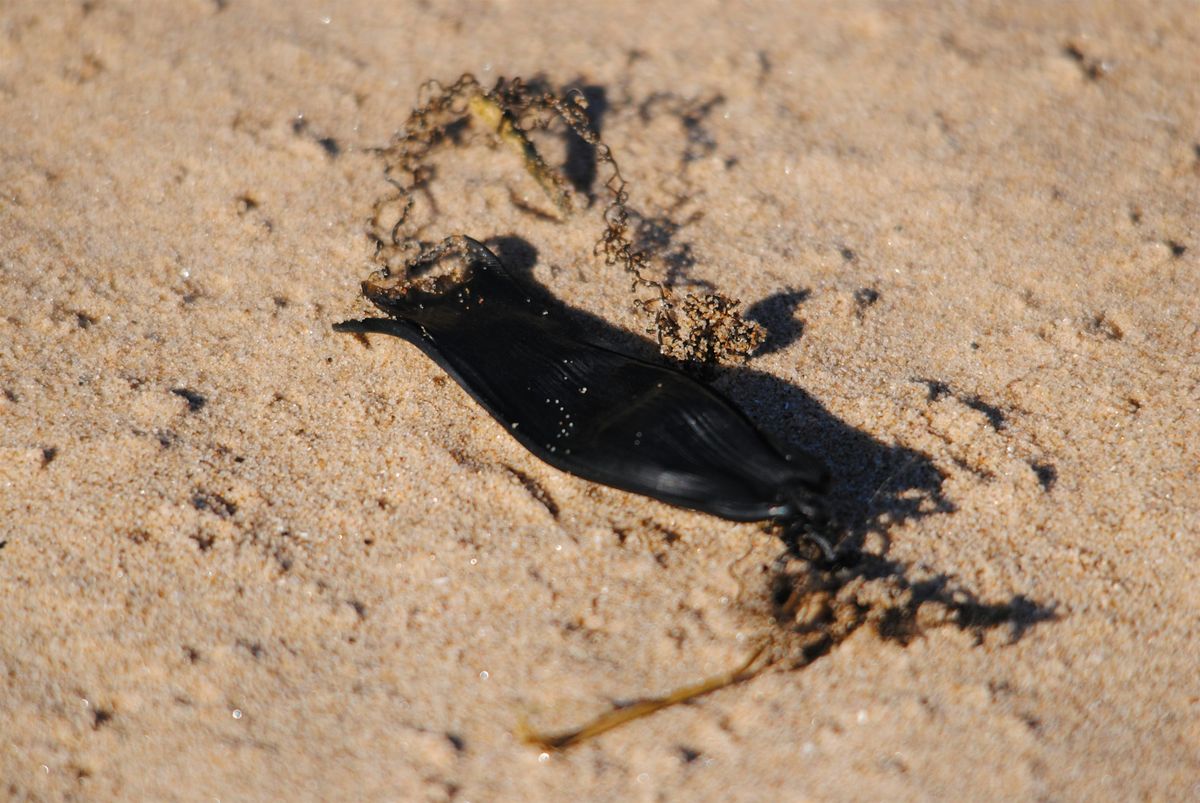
(244,557)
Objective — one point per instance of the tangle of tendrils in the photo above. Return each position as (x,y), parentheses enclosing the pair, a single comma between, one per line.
(698,331)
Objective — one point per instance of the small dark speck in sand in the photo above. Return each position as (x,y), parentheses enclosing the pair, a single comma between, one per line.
(195,401)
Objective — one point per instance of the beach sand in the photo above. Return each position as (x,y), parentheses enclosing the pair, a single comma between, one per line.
(243,557)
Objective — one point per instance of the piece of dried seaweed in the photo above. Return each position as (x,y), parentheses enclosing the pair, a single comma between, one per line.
(699,331)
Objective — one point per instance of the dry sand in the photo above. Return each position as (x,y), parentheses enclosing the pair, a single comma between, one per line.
(328,582)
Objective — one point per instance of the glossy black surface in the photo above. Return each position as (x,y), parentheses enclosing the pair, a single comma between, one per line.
(592,411)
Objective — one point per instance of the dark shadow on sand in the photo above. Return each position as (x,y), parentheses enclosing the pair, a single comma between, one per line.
(876,485)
